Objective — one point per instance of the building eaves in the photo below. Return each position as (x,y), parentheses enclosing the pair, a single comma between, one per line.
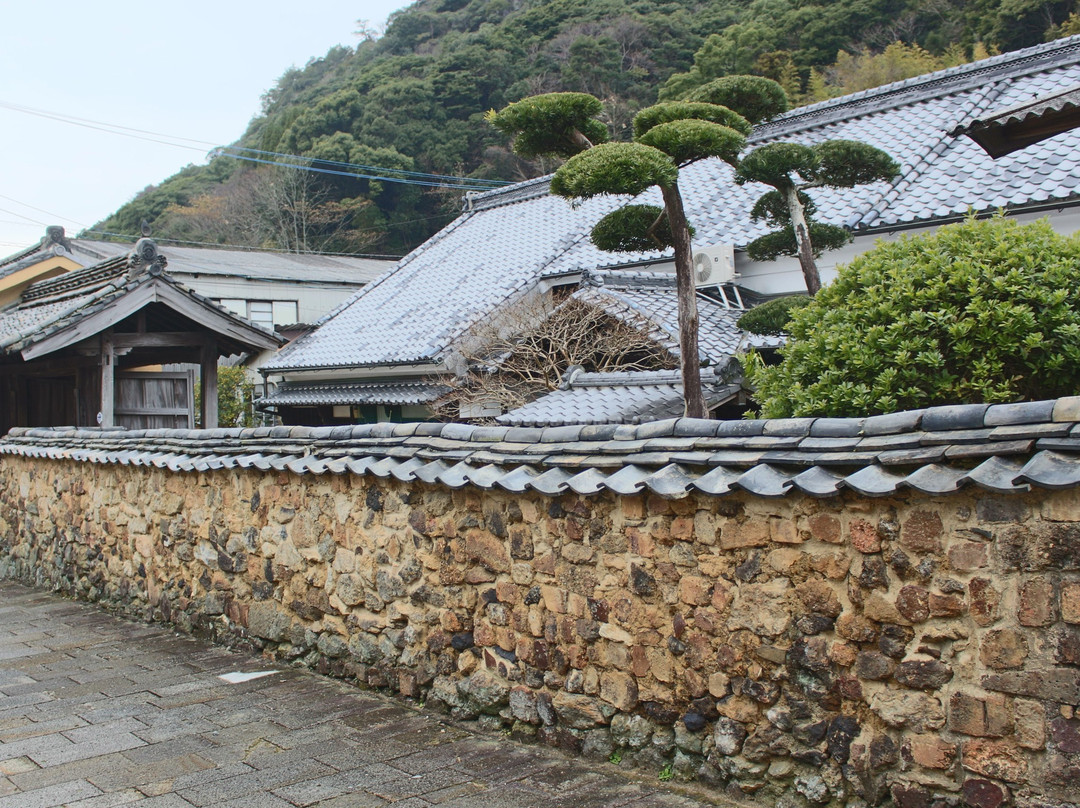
(1002,448)
(359,393)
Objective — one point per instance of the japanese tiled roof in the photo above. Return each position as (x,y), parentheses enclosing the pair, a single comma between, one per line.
(625,397)
(58,303)
(211,261)
(1023,124)
(331,393)
(507,240)
(1003,448)
(648,300)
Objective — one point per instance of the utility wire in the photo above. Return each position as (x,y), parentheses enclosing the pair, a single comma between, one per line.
(41,210)
(417,177)
(402,171)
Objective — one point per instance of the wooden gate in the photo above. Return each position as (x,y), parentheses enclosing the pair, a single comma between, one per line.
(151,400)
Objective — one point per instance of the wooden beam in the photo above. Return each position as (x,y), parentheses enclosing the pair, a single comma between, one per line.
(160,339)
(209,385)
(108,381)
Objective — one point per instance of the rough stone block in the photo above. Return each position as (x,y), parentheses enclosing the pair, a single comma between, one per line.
(945,605)
(1002,649)
(980,793)
(913,602)
(969,555)
(984,600)
(1061,685)
(980,716)
(1030,724)
(751,533)
(929,751)
(619,689)
(921,532)
(1036,607)
(998,759)
(695,590)
(825,527)
(1070,601)
(864,536)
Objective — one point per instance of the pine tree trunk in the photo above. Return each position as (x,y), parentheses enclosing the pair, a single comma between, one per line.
(689,356)
(802,239)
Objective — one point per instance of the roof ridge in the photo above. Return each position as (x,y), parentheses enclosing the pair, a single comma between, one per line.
(924,163)
(938,83)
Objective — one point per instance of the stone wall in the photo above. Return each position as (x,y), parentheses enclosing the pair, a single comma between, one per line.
(806,651)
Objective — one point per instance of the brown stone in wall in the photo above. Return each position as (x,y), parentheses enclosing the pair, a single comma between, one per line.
(980,793)
(748,533)
(913,602)
(998,759)
(945,605)
(1070,601)
(966,556)
(1001,649)
(1030,723)
(980,716)
(921,532)
(929,751)
(825,527)
(1036,607)
(984,600)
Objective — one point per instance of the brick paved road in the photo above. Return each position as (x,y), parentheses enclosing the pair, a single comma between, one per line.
(98,712)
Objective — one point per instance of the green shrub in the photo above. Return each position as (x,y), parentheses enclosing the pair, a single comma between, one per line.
(982,311)
(771,318)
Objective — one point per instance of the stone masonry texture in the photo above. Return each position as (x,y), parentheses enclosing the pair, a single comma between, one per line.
(101,712)
(913,650)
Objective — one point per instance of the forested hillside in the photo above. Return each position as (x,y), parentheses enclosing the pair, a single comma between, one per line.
(377,119)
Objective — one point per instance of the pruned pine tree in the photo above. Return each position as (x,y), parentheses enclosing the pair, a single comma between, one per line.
(792,169)
(667,137)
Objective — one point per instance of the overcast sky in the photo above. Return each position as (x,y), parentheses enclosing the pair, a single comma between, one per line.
(194,69)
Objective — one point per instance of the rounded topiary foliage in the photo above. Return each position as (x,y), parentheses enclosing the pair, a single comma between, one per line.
(982,311)
(847,163)
(754,97)
(688,140)
(614,168)
(685,110)
(627,230)
(783,241)
(774,164)
(551,123)
(771,318)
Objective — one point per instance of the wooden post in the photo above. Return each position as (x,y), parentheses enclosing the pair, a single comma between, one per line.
(108,381)
(209,384)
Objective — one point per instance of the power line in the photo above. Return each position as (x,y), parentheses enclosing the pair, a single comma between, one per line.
(380,178)
(401,176)
(41,210)
(22,216)
(427,175)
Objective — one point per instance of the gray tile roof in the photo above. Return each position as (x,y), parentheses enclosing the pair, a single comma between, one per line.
(331,393)
(627,397)
(648,300)
(1003,448)
(1025,123)
(507,240)
(212,261)
(58,303)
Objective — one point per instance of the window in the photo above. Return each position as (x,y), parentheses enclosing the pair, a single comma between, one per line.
(267,313)
(261,312)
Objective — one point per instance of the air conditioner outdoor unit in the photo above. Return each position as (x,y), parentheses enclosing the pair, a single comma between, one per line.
(714,265)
